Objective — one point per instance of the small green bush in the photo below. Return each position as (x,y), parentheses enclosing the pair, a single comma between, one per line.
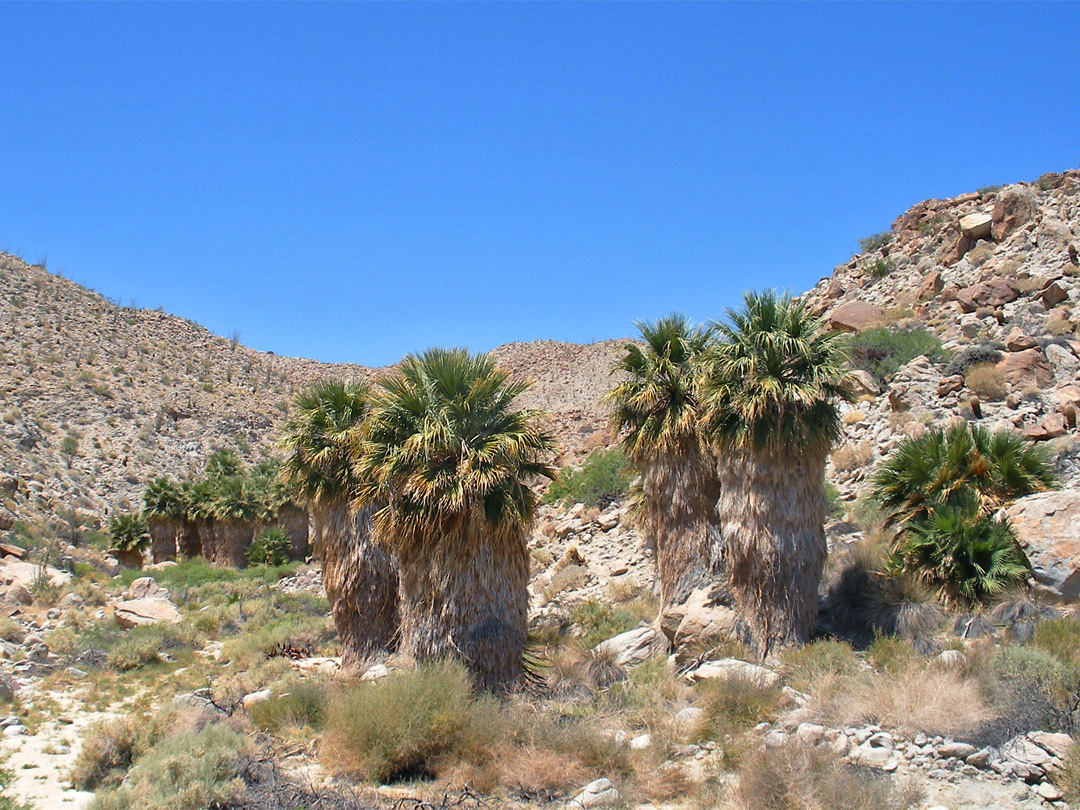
(882,268)
(883,350)
(1060,638)
(601,621)
(603,478)
(804,666)
(967,359)
(1033,688)
(875,241)
(109,747)
(303,706)
(732,706)
(890,653)
(271,547)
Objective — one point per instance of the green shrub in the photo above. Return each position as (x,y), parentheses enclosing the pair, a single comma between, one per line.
(601,621)
(145,644)
(406,725)
(271,547)
(188,771)
(603,478)
(968,358)
(1033,687)
(883,350)
(732,706)
(818,661)
(303,706)
(882,268)
(991,189)
(875,241)
(890,653)
(108,749)
(1060,638)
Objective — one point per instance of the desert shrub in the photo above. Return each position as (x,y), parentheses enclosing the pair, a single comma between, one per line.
(406,726)
(1067,777)
(302,706)
(832,497)
(732,706)
(601,621)
(987,190)
(188,771)
(572,576)
(271,547)
(883,350)
(109,747)
(145,645)
(986,381)
(875,241)
(1061,638)
(1059,325)
(852,456)
(1033,688)
(890,653)
(968,358)
(818,664)
(796,777)
(603,478)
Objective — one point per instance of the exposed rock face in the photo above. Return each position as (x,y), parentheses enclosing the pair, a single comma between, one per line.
(1028,367)
(993,293)
(855,316)
(1047,526)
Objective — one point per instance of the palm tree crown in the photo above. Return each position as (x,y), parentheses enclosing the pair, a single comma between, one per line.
(774,376)
(322,440)
(444,439)
(658,405)
(163,499)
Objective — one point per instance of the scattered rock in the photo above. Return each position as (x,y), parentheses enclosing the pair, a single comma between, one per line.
(596,794)
(134,612)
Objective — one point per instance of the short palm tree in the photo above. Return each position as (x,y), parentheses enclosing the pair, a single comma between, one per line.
(452,457)
(165,508)
(774,378)
(960,465)
(128,536)
(360,577)
(656,410)
(940,492)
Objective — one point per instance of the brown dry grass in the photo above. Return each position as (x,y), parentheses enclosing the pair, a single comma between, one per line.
(852,456)
(986,381)
(918,699)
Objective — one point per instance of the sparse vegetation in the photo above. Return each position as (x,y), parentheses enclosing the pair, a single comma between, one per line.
(603,478)
(881,351)
(875,241)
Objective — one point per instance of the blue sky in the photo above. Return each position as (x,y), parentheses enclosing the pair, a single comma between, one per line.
(351,182)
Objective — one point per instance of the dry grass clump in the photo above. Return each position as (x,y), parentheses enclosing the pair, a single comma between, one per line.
(733,706)
(109,747)
(987,382)
(852,456)
(817,667)
(1059,325)
(795,777)
(854,417)
(916,699)
(430,724)
(1067,777)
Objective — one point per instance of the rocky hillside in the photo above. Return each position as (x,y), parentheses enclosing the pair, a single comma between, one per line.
(96,398)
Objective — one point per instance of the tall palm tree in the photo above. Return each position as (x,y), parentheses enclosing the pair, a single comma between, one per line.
(657,411)
(774,377)
(360,577)
(452,457)
(236,509)
(165,509)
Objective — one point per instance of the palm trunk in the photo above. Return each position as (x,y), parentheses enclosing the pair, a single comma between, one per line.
(204,536)
(129,559)
(295,522)
(464,594)
(772,506)
(163,538)
(682,493)
(361,582)
(231,539)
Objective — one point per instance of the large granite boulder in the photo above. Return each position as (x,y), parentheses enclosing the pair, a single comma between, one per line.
(634,646)
(855,316)
(150,610)
(1047,525)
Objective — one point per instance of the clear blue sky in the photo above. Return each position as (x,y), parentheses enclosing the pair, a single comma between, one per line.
(352,182)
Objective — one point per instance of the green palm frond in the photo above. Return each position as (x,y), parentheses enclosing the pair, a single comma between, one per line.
(657,407)
(163,499)
(774,375)
(322,440)
(958,467)
(444,438)
(224,463)
(128,532)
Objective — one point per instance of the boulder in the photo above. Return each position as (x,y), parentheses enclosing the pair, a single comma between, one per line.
(976,226)
(950,385)
(1062,361)
(596,794)
(1017,341)
(855,316)
(960,750)
(1026,367)
(1015,206)
(144,587)
(1053,294)
(1047,526)
(634,646)
(15,570)
(134,612)
(863,384)
(930,287)
(732,668)
(994,292)
(698,620)
(7,520)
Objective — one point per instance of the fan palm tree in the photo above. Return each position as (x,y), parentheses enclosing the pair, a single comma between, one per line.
(128,537)
(198,537)
(165,508)
(451,457)
(969,466)
(774,378)
(237,511)
(657,411)
(360,577)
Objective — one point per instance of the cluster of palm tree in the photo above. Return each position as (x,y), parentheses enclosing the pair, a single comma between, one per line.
(941,492)
(729,426)
(219,515)
(420,492)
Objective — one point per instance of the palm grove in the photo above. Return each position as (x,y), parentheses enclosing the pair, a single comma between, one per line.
(422,488)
